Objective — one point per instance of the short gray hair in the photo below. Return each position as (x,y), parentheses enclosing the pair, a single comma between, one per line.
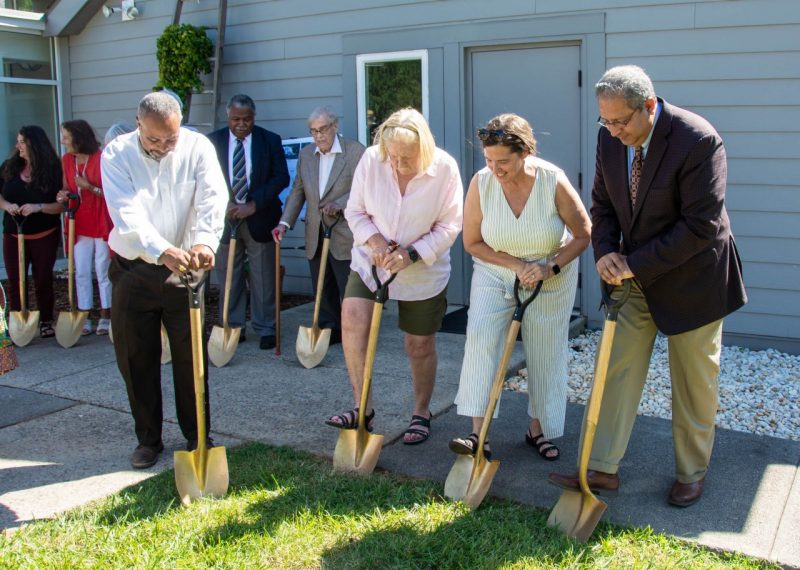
(241,100)
(324,113)
(627,81)
(160,104)
(116,130)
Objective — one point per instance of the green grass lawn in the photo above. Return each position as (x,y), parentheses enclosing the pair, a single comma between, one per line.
(286,509)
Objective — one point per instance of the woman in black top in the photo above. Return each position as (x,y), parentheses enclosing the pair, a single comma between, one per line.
(29,182)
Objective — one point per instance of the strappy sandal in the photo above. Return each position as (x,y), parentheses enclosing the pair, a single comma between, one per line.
(543,446)
(46,330)
(87,328)
(413,429)
(467,446)
(349,420)
(102,327)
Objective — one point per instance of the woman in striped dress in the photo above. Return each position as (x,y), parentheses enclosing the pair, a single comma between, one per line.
(522,218)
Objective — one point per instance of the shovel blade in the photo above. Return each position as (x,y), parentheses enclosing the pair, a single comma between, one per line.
(354,454)
(312,345)
(69,327)
(470,482)
(23,328)
(197,476)
(576,514)
(457,482)
(222,345)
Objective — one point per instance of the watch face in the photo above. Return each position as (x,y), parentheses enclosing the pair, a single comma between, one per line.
(556,269)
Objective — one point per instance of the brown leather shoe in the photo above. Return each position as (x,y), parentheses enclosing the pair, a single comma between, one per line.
(685,494)
(145,456)
(599,482)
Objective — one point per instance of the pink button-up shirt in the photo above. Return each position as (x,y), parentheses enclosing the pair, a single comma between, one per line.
(428,217)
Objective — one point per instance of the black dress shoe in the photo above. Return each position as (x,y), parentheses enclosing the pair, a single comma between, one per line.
(267,342)
(242,337)
(336,337)
(145,456)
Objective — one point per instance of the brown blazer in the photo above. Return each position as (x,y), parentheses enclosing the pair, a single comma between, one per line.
(678,238)
(305,189)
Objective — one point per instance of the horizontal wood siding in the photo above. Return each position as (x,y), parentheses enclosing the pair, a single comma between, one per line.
(735,63)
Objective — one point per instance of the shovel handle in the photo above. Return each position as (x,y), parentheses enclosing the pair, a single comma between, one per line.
(327,230)
(234,226)
(194,292)
(612,306)
(522,305)
(71,211)
(382,292)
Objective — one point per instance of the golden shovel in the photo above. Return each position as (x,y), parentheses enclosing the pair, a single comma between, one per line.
(471,475)
(224,340)
(312,343)
(202,472)
(357,450)
(577,512)
(22,324)
(69,325)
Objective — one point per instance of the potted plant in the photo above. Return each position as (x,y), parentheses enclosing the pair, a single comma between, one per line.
(183,52)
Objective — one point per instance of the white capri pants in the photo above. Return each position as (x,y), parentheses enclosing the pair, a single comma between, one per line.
(90,250)
(545,337)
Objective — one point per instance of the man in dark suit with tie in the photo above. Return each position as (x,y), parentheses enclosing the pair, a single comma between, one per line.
(324,175)
(254,164)
(659,219)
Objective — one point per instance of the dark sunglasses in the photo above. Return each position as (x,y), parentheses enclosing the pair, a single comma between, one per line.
(494,136)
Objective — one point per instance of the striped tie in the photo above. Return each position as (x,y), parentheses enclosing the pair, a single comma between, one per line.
(636,174)
(239,185)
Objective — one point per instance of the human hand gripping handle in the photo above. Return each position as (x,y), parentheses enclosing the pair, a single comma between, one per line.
(613,268)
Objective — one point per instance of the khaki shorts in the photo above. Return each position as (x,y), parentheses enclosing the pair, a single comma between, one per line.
(422,318)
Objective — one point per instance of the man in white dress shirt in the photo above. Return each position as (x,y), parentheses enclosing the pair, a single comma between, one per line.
(167,196)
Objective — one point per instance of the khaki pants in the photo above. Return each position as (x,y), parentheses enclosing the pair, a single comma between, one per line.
(694,368)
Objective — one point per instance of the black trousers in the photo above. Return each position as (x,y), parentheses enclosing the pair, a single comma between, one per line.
(336,274)
(146,295)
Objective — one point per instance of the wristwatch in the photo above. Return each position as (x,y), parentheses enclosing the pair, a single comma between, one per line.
(412,254)
(556,269)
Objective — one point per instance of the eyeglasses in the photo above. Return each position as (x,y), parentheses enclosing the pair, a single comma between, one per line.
(495,136)
(321,130)
(616,123)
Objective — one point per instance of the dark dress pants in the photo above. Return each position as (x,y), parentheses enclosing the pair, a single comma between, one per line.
(336,274)
(146,295)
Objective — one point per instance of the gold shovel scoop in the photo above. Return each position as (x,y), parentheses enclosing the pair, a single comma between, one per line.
(471,475)
(69,325)
(312,343)
(202,472)
(357,450)
(577,512)
(224,340)
(22,324)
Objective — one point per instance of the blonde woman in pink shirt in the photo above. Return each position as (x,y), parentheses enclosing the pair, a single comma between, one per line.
(405,211)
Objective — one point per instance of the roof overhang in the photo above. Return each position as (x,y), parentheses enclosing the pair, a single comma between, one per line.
(18,21)
(69,17)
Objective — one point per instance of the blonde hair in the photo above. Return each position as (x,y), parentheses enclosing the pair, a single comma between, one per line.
(409,126)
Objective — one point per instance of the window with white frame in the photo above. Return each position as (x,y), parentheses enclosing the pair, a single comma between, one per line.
(388,82)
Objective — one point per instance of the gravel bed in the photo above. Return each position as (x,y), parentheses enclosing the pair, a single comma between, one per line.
(759,389)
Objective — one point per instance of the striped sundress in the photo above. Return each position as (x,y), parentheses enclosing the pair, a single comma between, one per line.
(537,234)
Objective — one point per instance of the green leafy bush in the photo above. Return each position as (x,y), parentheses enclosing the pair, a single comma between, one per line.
(183,54)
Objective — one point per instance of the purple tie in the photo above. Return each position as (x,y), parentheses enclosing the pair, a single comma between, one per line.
(636,174)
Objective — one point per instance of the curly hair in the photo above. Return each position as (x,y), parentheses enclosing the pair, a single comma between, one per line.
(45,163)
(509,130)
(83,138)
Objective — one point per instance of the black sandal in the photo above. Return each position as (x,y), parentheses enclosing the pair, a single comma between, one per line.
(413,429)
(467,446)
(542,446)
(46,330)
(349,420)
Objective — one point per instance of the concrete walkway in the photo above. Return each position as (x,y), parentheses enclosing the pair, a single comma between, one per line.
(66,436)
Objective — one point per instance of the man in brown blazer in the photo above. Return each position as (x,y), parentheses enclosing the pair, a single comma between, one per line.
(659,219)
(322,182)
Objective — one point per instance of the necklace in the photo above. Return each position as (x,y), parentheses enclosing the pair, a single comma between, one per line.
(78,171)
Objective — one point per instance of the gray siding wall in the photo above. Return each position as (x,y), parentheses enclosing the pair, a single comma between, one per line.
(734,62)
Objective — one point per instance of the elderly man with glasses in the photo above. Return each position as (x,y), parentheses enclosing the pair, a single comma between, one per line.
(324,175)
(659,219)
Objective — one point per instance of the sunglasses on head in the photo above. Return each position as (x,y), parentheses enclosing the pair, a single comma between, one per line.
(494,136)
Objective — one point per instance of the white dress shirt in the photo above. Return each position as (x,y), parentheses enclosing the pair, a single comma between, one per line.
(326,160)
(179,201)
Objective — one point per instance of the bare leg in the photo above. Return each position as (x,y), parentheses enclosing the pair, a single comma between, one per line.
(422,357)
(356,319)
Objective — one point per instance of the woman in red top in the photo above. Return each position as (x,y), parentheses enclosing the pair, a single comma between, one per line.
(81,165)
